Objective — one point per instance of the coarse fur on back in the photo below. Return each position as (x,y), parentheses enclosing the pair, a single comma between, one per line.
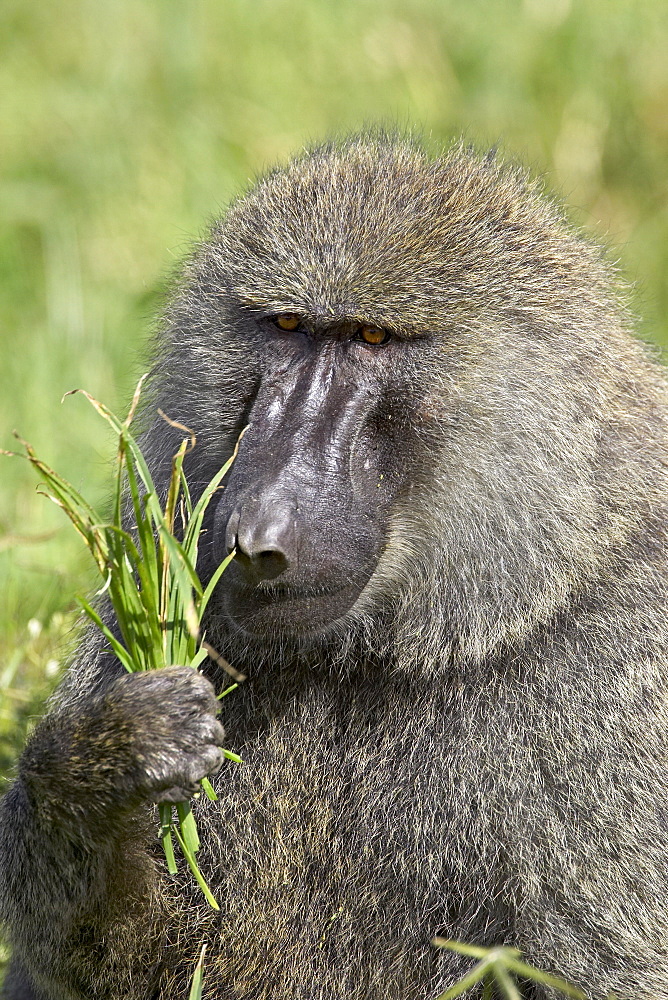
(449,597)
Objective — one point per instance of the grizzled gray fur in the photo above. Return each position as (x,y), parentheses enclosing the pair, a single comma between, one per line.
(450,598)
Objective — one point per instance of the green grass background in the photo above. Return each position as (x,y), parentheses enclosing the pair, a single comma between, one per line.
(126,124)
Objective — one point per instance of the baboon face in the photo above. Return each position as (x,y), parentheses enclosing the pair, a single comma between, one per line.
(391,332)
(331,372)
(308,499)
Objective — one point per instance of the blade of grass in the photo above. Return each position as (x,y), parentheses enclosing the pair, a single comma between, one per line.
(57,480)
(529,972)
(228,690)
(505,983)
(165,835)
(195,522)
(469,980)
(117,647)
(192,864)
(196,986)
(472,950)
(207,788)
(188,827)
(211,586)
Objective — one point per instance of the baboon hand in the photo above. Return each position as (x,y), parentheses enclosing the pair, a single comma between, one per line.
(175,737)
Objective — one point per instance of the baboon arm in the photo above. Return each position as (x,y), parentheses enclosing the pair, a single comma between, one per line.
(65,845)
(76,828)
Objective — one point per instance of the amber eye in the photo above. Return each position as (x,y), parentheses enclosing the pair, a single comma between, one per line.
(287,321)
(373,335)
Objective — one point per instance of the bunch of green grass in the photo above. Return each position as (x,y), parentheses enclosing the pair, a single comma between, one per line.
(497,969)
(150,578)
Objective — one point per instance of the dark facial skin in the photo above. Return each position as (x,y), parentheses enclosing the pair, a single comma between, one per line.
(306,503)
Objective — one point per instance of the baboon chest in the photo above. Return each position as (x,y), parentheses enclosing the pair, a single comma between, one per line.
(354,831)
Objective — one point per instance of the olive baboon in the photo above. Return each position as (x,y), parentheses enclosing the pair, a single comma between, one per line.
(449,597)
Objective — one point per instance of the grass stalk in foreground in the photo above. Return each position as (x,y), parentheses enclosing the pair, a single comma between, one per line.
(496,970)
(196,984)
(150,578)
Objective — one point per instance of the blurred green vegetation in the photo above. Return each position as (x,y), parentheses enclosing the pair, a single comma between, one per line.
(125,124)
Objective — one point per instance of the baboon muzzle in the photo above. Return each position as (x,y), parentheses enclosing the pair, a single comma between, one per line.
(291,500)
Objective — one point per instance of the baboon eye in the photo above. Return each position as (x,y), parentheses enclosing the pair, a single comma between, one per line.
(287,321)
(374,335)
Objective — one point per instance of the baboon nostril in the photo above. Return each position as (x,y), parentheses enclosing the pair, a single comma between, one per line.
(264,565)
(264,537)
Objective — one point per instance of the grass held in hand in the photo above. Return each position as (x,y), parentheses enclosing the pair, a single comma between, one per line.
(150,578)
